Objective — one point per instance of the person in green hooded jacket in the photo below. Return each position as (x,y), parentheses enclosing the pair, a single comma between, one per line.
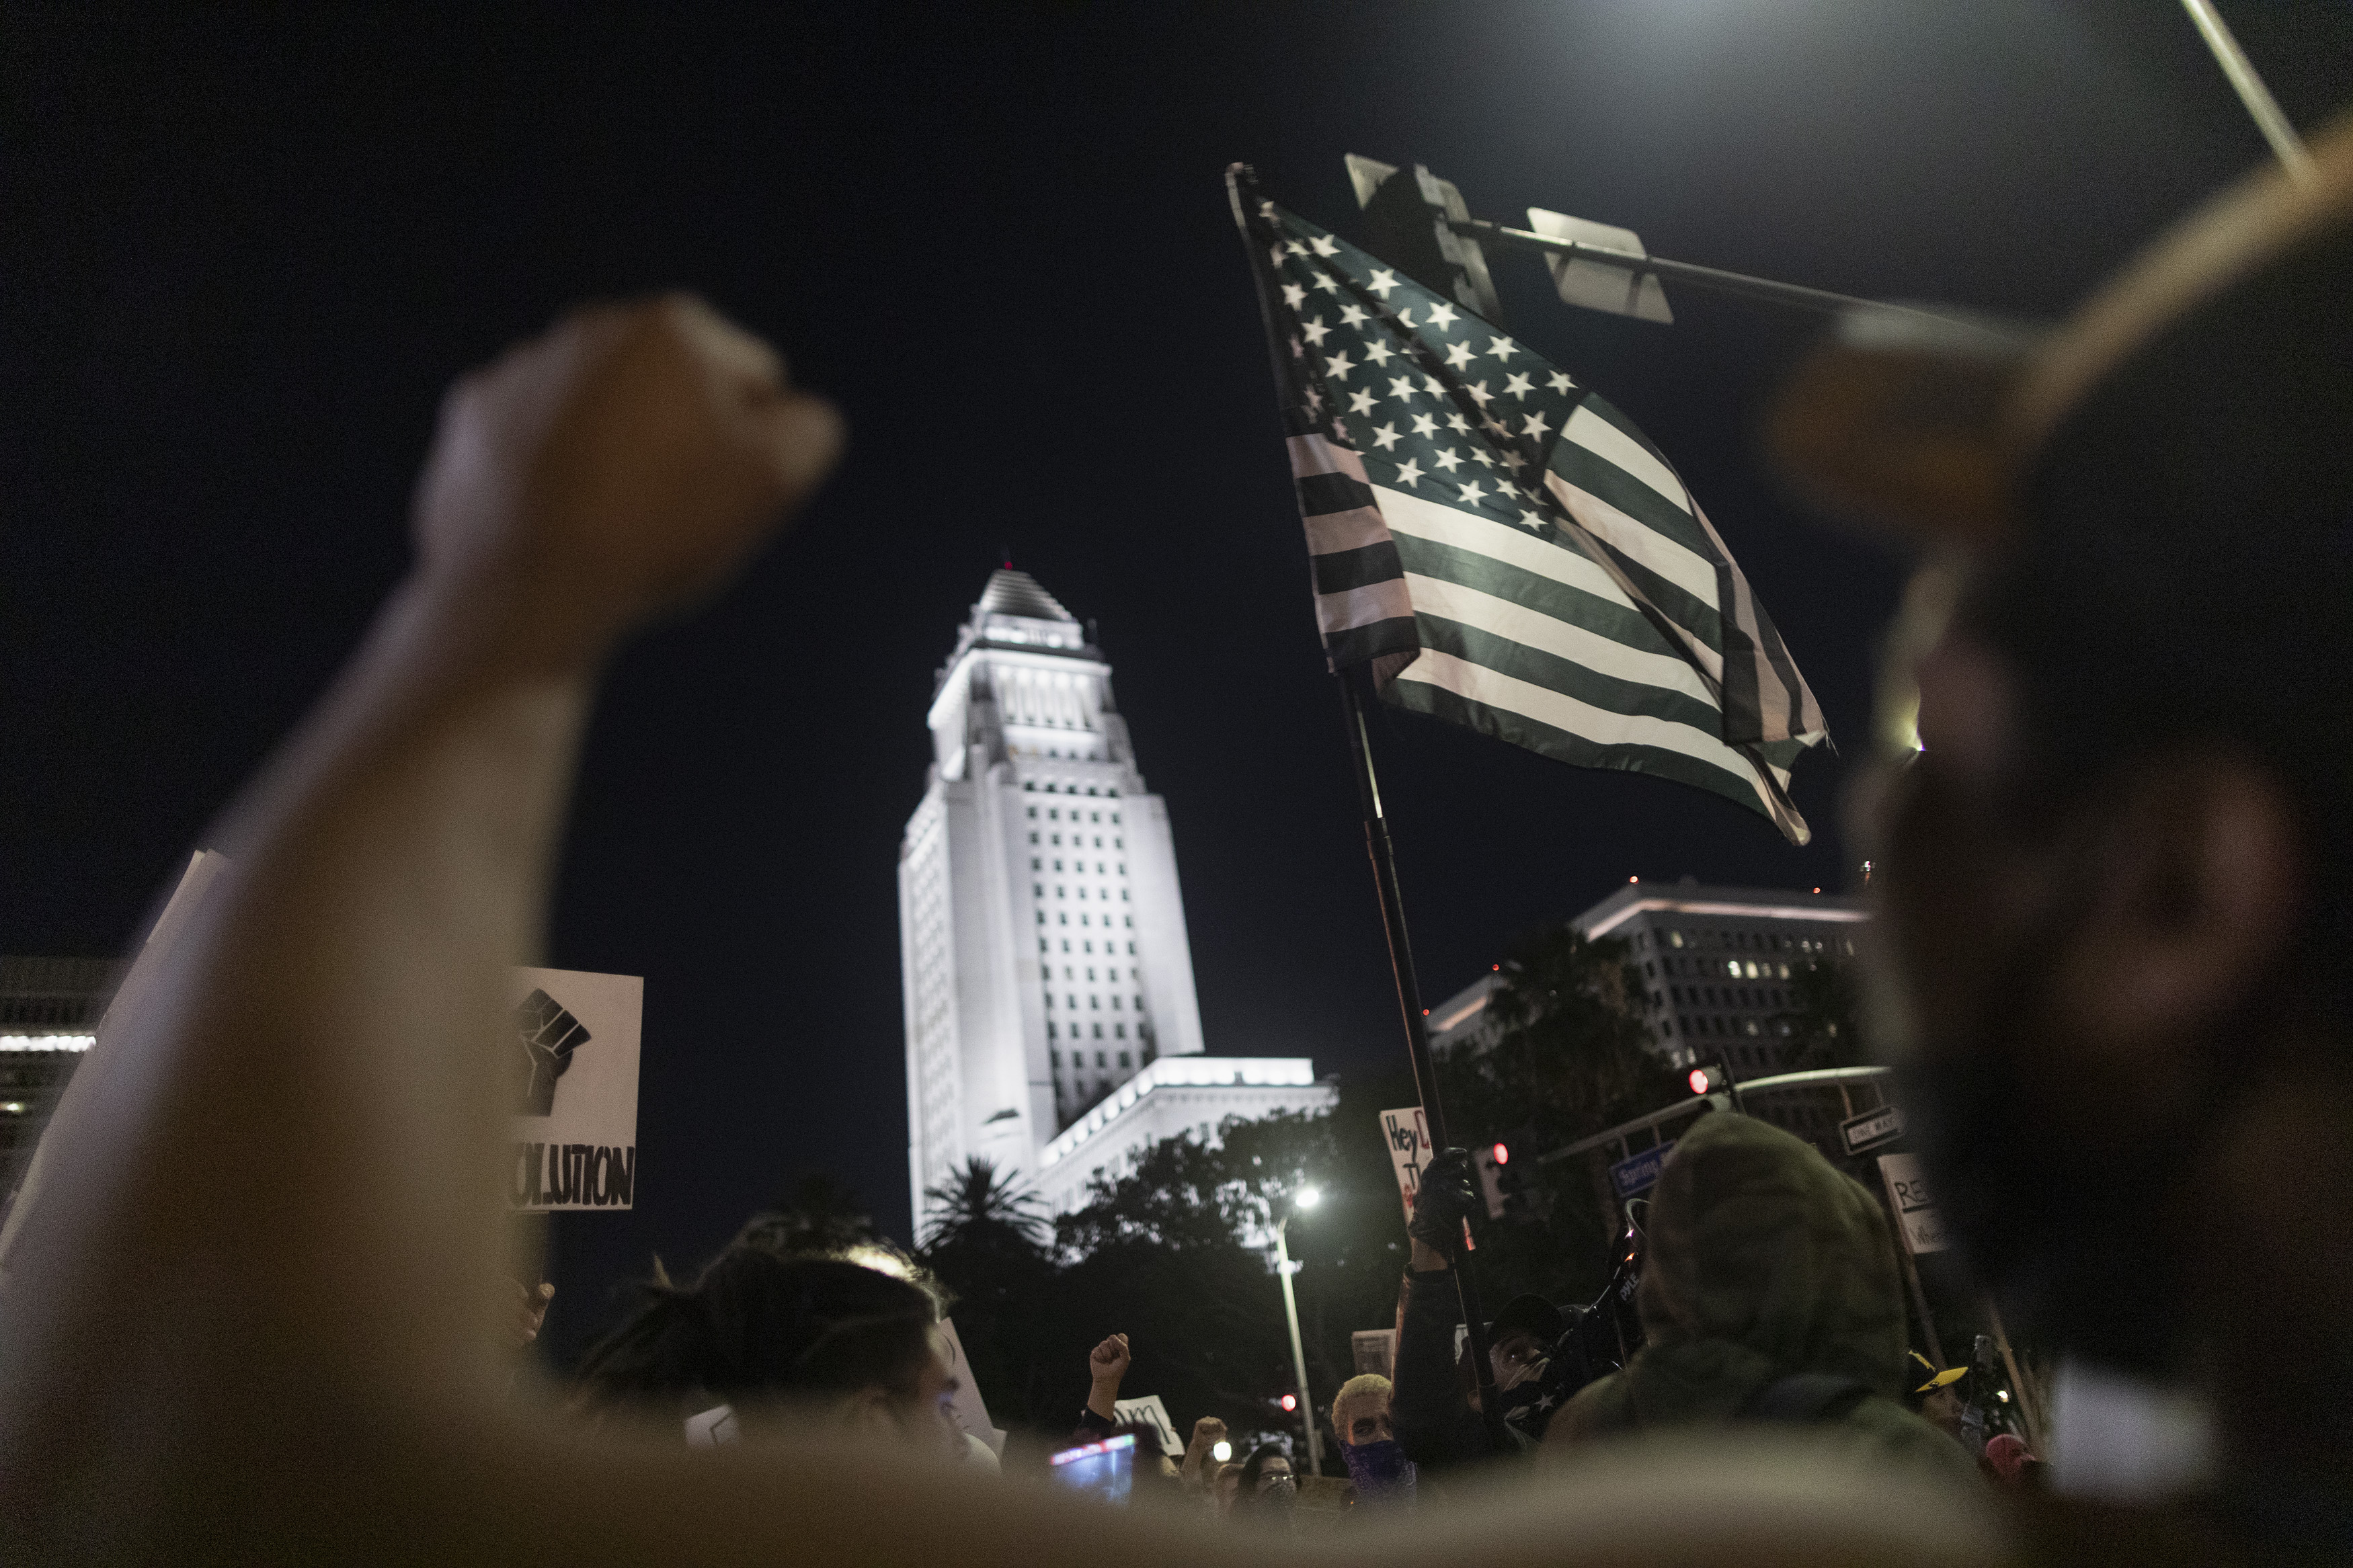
(1770,1294)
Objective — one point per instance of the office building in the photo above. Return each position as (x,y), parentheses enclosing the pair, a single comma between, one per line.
(1044,961)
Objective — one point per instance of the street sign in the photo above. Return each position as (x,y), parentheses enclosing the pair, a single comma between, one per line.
(1407,1132)
(1916,1205)
(1595,283)
(1872,1126)
(1640,1172)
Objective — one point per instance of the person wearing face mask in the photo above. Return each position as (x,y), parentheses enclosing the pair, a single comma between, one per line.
(1265,1491)
(1377,1467)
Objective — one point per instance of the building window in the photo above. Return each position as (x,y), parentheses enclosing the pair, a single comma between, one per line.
(1130,922)
(1041,917)
(1053,1059)
(1123,1058)
(1131,949)
(1674,939)
(1094,1000)
(1033,837)
(1036,864)
(1038,889)
(1119,1032)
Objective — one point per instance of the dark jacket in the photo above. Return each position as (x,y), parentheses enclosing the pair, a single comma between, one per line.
(1434,1422)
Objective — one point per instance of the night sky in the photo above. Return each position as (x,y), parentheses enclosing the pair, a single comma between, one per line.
(244,257)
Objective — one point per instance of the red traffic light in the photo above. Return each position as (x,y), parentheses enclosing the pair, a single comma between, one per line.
(1291,1402)
(1700,1080)
(1502,1153)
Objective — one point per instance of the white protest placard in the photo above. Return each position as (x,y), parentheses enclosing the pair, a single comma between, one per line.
(1147,1410)
(574,1083)
(971,1410)
(1916,1205)
(1407,1132)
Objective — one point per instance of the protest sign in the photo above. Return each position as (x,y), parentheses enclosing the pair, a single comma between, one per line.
(1915,1207)
(1407,1132)
(1373,1350)
(574,1079)
(1147,1410)
(971,1410)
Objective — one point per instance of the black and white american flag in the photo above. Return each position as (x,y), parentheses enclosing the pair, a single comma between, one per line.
(1505,549)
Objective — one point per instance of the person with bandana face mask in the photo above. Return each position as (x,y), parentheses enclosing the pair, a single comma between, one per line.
(1368,1447)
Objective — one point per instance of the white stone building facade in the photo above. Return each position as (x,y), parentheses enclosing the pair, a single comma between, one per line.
(1044,960)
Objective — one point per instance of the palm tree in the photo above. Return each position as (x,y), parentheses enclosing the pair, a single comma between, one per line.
(977,1209)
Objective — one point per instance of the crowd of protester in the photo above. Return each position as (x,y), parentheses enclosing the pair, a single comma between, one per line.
(1768,1295)
(240,1307)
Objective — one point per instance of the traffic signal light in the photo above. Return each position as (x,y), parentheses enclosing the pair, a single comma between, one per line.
(1708,1078)
(1514,1154)
(1290,1403)
(1484,1157)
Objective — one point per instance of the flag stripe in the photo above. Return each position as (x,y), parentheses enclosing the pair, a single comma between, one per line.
(1346,645)
(1519,621)
(1364,606)
(1626,702)
(1331,532)
(1544,722)
(1340,570)
(1332,493)
(1611,620)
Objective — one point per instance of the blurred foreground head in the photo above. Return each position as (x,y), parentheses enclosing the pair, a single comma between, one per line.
(2116,876)
(785,1338)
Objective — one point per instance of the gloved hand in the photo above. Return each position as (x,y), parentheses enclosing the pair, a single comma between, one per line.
(1448,1193)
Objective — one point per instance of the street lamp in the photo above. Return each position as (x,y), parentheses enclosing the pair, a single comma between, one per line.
(1303,1199)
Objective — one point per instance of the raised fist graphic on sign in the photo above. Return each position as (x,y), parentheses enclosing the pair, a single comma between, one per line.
(549,1036)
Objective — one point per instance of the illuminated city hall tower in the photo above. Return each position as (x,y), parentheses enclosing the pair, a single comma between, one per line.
(1043,955)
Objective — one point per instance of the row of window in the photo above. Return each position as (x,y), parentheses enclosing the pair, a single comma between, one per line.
(1718,1025)
(1118,1032)
(1045,971)
(1080,867)
(1065,919)
(1079,1058)
(1079,841)
(1108,949)
(1094,1001)
(1103,895)
(1761,941)
(1723,996)
(1729,968)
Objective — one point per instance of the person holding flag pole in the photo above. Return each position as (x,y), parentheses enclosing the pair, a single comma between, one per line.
(1564,592)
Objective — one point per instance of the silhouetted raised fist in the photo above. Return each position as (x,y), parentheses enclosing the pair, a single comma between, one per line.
(623,463)
(548,1035)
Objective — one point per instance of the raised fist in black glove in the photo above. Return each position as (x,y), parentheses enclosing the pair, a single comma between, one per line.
(1448,1193)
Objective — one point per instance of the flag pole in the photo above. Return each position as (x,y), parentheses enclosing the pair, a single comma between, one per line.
(1354,682)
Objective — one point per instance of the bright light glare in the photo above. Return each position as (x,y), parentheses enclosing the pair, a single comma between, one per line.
(1221,1451)
(1310,1197)
(1699,1080)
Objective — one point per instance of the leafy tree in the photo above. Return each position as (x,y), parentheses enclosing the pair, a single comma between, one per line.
(1565,1056)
